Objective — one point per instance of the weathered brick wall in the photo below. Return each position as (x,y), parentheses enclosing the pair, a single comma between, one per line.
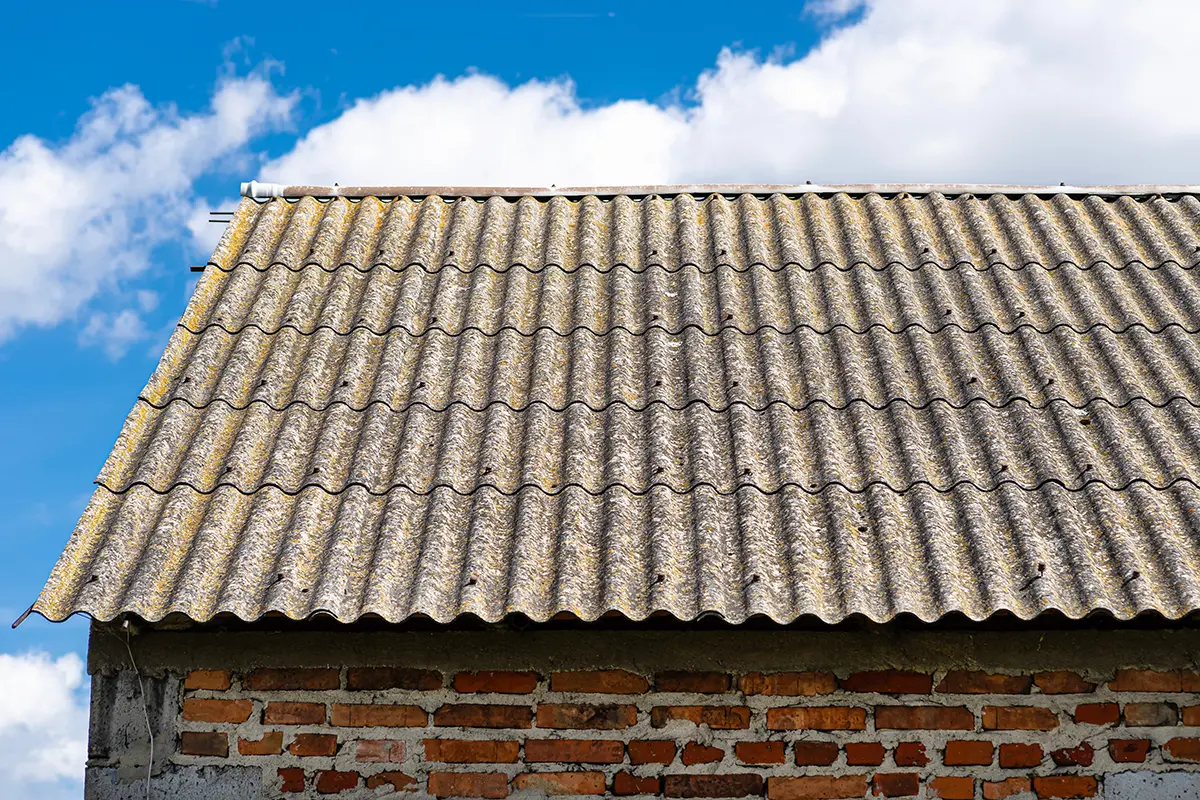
(953,734)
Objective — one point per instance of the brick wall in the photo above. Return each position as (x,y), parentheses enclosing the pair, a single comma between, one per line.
(890,733)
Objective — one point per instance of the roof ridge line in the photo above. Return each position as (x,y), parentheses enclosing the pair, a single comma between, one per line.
(263,191)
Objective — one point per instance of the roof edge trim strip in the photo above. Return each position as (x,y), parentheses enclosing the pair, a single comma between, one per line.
(263,191)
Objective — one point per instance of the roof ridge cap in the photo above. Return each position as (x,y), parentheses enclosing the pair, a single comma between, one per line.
(263,191)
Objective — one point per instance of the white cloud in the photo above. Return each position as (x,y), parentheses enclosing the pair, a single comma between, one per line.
(204,232)
(147,300)
(77,217)
(113,333)
(43,725)
(477,131)
(1082,91)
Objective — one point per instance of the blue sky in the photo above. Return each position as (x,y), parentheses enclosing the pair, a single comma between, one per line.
(127,122)
(64,392)
(67,399)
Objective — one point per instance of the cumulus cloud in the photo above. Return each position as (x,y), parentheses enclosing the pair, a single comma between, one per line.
(1082,91)
(475,130)
(1010,91)
(114,333)
(77,217)
(43,725)
(204,232)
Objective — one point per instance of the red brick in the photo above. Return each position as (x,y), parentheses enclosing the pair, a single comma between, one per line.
(700,682)
(743,785)
(967,682)
(271,744)
(1018,718)
(292,779)
(582,716)
(1017,756)
(968,754)
(608,681)
(1097,714)
(816,754)
(332,781)
(397,780)
(575,751)
(1128,751)
(261,680)
(1150,715)
(1191,716)
(716,717)
(761,752)
(953,788)
(651,752)
(1062,682)
(198,710)
(313,744)
(468,784)
(287,713)
(864,754)
(910,754)
(1189,680)
(379,678)
(1145,680)
(497,681)
(472,751)
(1181,749)
(626,784)
(203,743)
(788,684)
(696,753)
(997,790)
(1081,755)
(897,784)
(889,681)
(817,787)
(471,715)
(817,718)
(561,782)
(380,751)
(368,715)
(1065,786)
(216,680)
(928,718)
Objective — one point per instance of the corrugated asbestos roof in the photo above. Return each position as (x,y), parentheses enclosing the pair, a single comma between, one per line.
(825,405)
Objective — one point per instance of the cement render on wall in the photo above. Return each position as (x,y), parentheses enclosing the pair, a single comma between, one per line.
(1149,786)
(1093,652)
(209,783)
(117,753)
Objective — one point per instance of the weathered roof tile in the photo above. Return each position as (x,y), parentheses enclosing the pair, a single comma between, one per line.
(810,405)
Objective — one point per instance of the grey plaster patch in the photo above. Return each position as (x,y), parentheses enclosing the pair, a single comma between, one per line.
(117,735)
(176,783)
(1152,786)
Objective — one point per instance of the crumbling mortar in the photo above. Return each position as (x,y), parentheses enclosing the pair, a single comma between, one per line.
(1068,734)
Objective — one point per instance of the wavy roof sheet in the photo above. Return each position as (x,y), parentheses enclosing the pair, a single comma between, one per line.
(823,405)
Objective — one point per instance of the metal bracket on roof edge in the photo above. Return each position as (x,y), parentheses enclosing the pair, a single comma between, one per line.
(23,617)
(261,191)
